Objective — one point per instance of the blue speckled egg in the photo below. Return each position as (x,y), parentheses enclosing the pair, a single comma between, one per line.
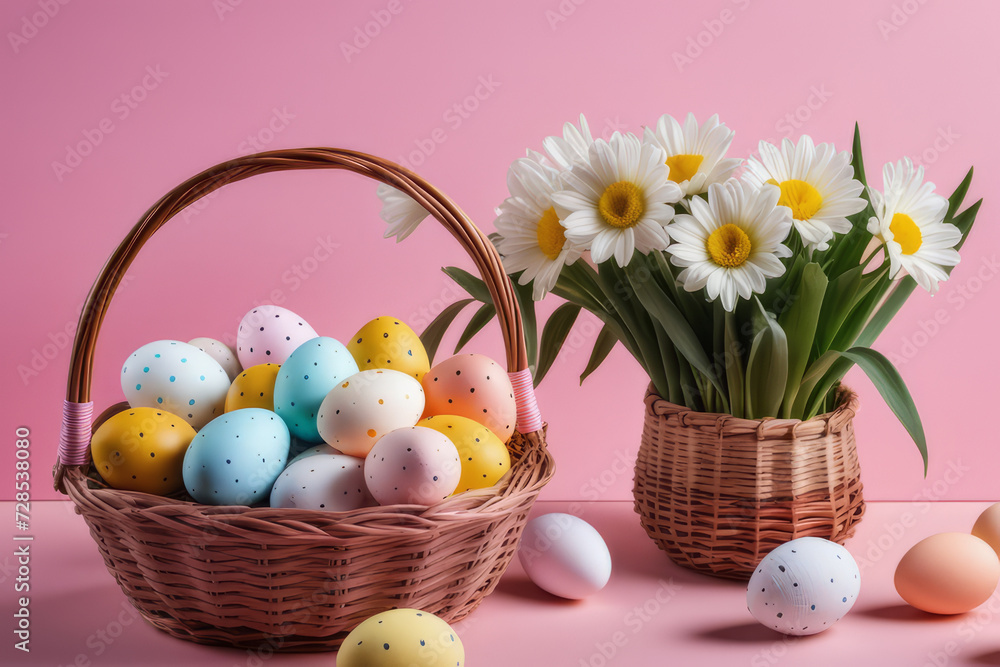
(235,458)
(306,377)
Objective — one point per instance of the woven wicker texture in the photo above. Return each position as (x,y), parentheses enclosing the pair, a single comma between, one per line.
(300,580)
(717,493)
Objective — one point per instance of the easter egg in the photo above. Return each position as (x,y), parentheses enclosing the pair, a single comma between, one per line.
(412,466)
(253,388)
(221,352)
(564,555)
(484,457)
(331,482)
(177,378)
(948,573)
(803,586)
(473,386)
(312,450)
(236,458)
(269,334)
(306,377)
(402,638)
(366,406)
(386,342)
(987,526)
(142,449)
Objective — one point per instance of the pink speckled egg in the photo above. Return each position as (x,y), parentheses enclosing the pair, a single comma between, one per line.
(269,334)
(412,466)
(472,386)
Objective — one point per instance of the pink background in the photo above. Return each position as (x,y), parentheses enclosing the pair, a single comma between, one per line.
(918,77)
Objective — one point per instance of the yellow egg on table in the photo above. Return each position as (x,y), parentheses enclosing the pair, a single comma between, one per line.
(484,457)
(142,449)
(253,388)
(386,342)
(948,573)
(402,638)
(987,527)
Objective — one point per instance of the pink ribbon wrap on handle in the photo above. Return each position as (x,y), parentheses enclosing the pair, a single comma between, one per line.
(74,437)
(528,418)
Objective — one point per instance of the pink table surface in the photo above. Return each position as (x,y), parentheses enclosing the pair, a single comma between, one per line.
(651,612)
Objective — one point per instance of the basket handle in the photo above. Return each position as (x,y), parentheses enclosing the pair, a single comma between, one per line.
(74,441)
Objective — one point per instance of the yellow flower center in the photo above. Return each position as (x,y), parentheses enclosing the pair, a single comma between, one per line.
(551,235)
(683,167)
(801,197)
(728,246)
(622,205)
(906,233)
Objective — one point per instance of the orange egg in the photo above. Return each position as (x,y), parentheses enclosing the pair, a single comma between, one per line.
(472,386)
(987,527)
(948,573)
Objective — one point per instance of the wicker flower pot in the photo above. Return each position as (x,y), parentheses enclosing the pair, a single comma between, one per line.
(291,579)
(717,493)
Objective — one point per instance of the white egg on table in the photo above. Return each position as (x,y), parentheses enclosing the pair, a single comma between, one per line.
(564,555)
(804,586)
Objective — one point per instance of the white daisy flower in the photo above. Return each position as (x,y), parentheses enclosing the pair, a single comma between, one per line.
(572,147)
(817,184)
(532,239)
(617,201)
(400,211)
(731,244)
(909,219)
(695,155)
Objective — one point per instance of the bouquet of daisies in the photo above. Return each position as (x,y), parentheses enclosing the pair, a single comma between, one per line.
(747,293)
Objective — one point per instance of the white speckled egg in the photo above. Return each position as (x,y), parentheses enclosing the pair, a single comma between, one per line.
(366,406)
(306,377)
(235,458)
(221,352)
(269,334)
(178,378)
(331,482)
(297,452)
(564,555)
(804,586)
(412,466)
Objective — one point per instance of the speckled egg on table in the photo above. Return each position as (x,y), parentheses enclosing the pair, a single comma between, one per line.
(331,482)
(269,334)
(366,406)
(473,386)
(236,458)
(306,377)
(402,638)
(175,377)
(221,352)
(412,466)
(253,388)
(804,586)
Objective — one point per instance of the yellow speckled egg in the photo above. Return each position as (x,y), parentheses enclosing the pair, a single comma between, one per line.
(402,638)
(142,449)
(484,457)
(387,342)
(253,388)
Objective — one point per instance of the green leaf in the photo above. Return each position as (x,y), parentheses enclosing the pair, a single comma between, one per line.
(958,196)
(482,317)
(432,335)
(838,302)
(767,369)
(554,334)
(603,345)
(813,375)
(734,366)
(476,288)
(890,385)
(798,321)
(526,303)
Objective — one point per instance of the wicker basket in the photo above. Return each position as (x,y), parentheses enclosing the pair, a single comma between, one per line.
(289,579)
(717,493)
